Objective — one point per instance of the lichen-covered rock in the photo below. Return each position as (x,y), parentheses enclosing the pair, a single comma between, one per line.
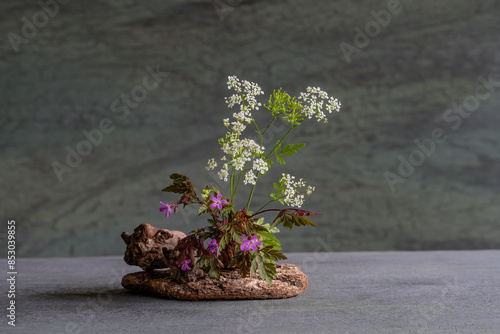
(151,248)
(290,281)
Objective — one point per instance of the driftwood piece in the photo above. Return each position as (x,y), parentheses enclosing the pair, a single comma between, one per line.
(289,282)
(151,248)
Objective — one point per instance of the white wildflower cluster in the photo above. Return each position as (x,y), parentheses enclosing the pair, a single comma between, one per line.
(250,177)
(260,165)
(291,190)
(246,92)
(314,101)
(211,164)
(241,151)
(224,173)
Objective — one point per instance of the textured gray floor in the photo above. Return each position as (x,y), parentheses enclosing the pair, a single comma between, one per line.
(349,293)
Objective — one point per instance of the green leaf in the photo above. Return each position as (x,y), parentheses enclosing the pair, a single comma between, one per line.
(214,271)
(280,159)
(276,255)
(291,149)
(181,185)
(267,272)
(202,210)
(268,239)
(245,263)
(290,220)
(254,266)
(236,237)
(287,222)
(305,221)
(223,242)
(259,221)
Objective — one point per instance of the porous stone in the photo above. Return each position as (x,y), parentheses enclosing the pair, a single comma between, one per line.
(290,281)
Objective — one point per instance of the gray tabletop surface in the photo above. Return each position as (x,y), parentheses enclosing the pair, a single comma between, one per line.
(362,292)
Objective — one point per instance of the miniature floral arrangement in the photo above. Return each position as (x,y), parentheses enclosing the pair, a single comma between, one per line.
(239,239)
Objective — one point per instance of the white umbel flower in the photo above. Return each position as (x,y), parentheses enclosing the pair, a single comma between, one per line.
(291,190)
(250,178)
(313,102)
(260,165)
(211,164)
(224,173)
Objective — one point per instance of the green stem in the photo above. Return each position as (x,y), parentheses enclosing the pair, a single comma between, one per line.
(267,127)
(278,142)
(251,192)
(239,179)
(255,123)
(270,201)
(233,191)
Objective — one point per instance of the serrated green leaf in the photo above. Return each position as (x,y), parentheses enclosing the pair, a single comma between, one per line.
(270,240)
(225,227)
(202,209)
(267,272)
(214,273)
(287,222)
(280,159)
(277,148)
(305,221)
(291,149)
(223,242)
(277,254)
(259,221)
(236,237)
(254,266)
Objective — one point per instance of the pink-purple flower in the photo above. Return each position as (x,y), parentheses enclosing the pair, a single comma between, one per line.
(252,243)
(167,207)
(218,202)
(184,266)
(213,246)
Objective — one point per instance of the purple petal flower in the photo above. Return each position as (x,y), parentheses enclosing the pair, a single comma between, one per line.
(166,207)
(252,243)
(213,246)
(184,266)
(217,202)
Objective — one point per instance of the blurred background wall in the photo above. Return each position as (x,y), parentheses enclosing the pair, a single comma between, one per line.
(412,161)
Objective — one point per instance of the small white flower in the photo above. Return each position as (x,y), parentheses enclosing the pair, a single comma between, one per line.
(225,148)
(291,192)
(223,173)
(211,164)
(314,101)
(260,165)
(238,163)
(238,127)
(310,190)
(250,178)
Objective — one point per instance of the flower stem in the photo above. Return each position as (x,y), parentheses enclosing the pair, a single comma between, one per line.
(278,142)
(267,127)
(237,184)
(270,201)
(233,190)
(251,192)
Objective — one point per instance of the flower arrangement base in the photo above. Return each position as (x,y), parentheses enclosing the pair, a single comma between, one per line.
(290,281)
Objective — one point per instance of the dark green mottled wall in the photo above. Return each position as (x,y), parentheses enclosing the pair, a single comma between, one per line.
(419,74)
